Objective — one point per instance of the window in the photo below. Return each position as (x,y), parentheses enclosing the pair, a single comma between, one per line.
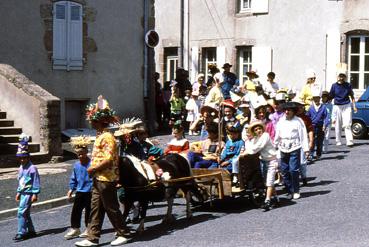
(245,5)
(171,63)
(244,62)
(209,57)
(67,36)
(253,6)
(358,61)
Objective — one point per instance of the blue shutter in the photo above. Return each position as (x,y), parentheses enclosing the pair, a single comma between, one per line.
(60,35)
(75,36)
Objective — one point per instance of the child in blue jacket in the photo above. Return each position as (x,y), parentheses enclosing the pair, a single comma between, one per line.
(80,183)
(233,147)
(27,191)
(320,119)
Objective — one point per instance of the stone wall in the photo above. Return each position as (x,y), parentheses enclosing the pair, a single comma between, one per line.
(32,108)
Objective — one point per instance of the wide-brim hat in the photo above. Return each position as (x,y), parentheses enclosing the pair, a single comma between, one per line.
(227,65)
(129,126)
(292,105)
(209,109)
(244,104)
(229,103)
(253,124)
(325,93)
(252,73)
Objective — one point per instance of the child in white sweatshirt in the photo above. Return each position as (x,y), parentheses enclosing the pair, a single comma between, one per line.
(260,142)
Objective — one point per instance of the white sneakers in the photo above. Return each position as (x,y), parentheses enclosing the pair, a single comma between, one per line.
(338,144)
(73,233)
(296,196)
(119,241)
(85,243)
(84,234)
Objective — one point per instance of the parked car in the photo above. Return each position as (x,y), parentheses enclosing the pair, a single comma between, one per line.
(360,119)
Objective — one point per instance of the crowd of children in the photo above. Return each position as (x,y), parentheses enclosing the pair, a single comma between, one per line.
(233,120)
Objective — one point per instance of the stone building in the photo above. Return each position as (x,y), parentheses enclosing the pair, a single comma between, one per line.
(57,56)
(284,36)
(79,49)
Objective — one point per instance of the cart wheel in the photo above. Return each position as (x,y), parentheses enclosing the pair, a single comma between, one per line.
(200,196)
(257,197)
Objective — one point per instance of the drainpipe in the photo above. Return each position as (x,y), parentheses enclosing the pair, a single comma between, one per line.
(325,62)
(146,63)
(181,36)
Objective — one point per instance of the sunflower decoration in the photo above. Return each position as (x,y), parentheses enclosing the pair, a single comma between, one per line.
(101,112)
(80,142)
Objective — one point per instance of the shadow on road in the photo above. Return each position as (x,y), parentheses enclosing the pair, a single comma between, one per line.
(338,151)
(227,205)
(314,193)
(160,230)
(51,231)
(320,183)
(338,157)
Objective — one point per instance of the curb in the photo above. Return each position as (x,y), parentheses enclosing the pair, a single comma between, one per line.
(38,206)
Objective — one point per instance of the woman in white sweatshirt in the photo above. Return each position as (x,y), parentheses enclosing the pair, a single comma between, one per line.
(290,138)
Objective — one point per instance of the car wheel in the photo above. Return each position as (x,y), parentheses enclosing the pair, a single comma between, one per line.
(359,130)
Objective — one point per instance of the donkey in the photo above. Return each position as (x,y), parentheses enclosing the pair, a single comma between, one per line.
(137,186)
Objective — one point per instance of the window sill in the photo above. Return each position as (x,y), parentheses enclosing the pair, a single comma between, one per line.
(244,13)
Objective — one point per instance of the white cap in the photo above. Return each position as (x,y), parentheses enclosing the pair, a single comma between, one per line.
(280,96)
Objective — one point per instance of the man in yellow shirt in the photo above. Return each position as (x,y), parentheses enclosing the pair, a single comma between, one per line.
(104,170)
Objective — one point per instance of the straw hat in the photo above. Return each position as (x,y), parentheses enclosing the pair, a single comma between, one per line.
(128,126)
(341,69)
(212,111)
(310,73)
(80,142)
(253,125)
(252,73)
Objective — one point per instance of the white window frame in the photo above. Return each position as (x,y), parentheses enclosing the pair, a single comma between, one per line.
(242,61)
(207,60)
(245,5)
(68,36)
(171,75)
(253,6)
(361,55)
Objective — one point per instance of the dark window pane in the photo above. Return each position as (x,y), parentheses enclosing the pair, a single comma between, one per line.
(367,45)
(74,15)
(60,11)
(366,80)
(355,45)
(355,63)
(354,80)
(366,63)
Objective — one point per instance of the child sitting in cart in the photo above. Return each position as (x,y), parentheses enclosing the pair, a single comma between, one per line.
(260,142)
(234,146)
(179,143)
(205,154)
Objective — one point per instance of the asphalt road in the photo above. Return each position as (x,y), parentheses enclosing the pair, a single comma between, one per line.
(333,211)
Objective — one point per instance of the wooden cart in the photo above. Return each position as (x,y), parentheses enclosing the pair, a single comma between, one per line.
(217,183)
